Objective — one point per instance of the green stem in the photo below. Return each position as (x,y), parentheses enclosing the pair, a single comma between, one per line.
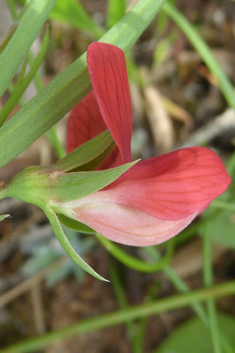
(133,262)
(202,48)
(116,283)
(179,284)
(122,316)
(208,281)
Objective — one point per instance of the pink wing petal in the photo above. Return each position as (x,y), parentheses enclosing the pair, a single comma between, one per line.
(107,69)
(172,186)
(126,225)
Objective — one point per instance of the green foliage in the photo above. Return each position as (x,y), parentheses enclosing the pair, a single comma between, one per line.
(34,15)
(23,82)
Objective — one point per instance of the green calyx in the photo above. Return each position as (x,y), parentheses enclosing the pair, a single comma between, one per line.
(45,187)
(33,185)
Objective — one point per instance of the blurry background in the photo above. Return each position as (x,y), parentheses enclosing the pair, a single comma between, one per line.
(176,103)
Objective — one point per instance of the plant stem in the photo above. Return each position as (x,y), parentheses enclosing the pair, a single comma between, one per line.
(208,281)
(133,262)
(180,285)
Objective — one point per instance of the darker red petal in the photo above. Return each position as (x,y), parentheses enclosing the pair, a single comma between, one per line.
(85,122)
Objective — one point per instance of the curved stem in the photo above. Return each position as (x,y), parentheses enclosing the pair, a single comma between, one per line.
(133,262)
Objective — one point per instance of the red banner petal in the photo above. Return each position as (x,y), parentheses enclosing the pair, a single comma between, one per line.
(107,69)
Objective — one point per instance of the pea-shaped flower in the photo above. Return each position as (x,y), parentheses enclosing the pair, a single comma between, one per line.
(156,198)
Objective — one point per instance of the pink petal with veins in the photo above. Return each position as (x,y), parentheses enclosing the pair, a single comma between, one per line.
(126,225)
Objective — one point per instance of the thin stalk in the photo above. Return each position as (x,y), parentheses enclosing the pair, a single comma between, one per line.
(122,301)
(208,281)
(179,284)
(122,316)
(133,262)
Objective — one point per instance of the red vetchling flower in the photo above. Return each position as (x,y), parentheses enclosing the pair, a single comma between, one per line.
(155,199)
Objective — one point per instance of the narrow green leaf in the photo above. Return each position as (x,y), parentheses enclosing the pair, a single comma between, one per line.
(202,48)
(68,88)
(85,153)
(64,242)
(21,73)
(74,14)
(34,15)
(116,10)
(23,83)
(73,186)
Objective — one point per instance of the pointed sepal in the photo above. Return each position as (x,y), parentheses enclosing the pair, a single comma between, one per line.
(64,242)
